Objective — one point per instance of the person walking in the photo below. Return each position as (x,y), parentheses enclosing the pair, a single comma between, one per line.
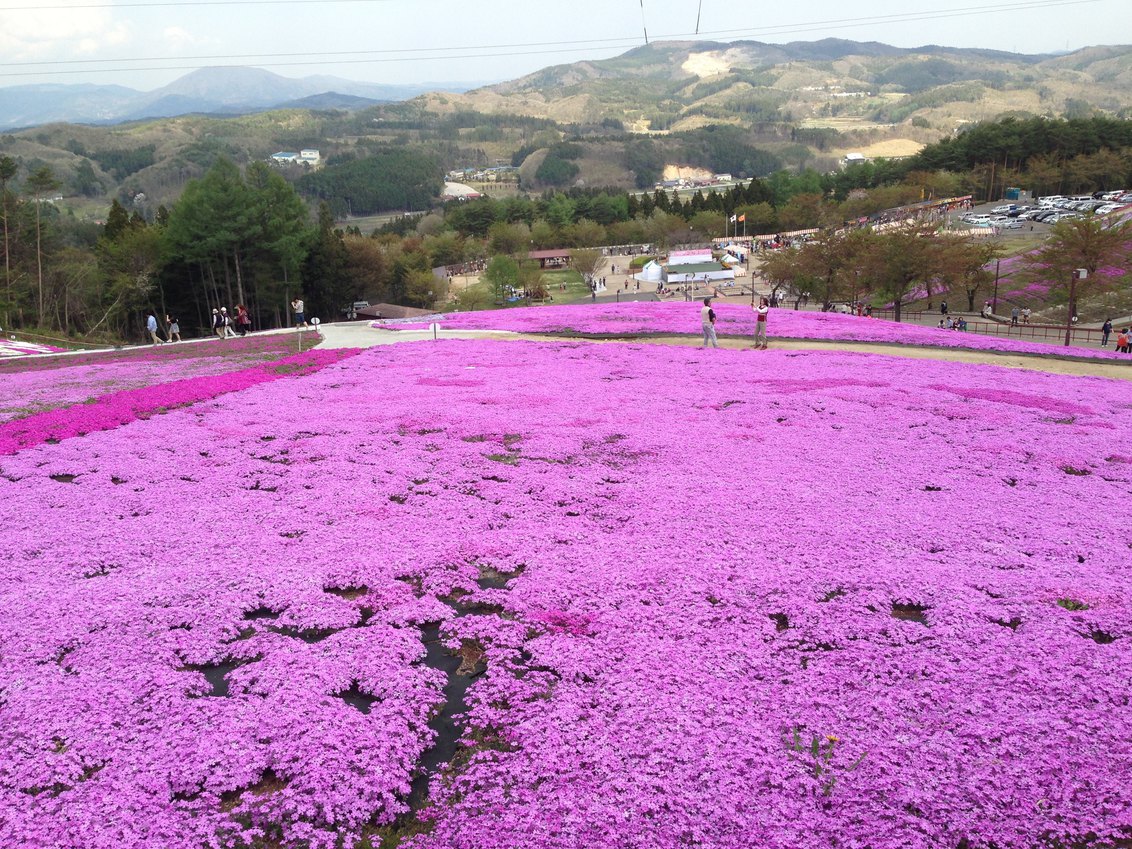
(226,320)
(151,326)
(1026,315)
(1014,317)
(172,329)
(300,313)
(1106,331)
(707,319)
(217,324)
(761,312)
(243,320)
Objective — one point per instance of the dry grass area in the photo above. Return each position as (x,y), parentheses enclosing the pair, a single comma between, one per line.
(888,148)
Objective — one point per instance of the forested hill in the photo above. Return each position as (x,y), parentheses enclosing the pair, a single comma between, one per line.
(682,85)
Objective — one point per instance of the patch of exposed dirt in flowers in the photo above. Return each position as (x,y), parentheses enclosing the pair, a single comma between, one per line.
(910,612)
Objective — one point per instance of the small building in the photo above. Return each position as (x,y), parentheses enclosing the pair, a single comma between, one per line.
(692,257)
(699,272)
(855,158)
(556,258)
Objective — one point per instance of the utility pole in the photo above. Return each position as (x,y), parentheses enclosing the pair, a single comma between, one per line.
(1078,274)
(994,304)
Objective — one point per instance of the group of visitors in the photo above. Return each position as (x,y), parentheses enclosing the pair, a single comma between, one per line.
(707,320)
(1123,337)
(955,323)
(222,323)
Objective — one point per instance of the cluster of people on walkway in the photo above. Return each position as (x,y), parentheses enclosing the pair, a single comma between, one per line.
(955,323)
(223,323)
(1123,338)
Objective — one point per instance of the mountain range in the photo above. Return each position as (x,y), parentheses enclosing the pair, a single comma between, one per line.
(214,91)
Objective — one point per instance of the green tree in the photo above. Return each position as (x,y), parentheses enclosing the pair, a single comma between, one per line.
(963,265)
(40,185)
(896,260)
(501,275)
(210,226)
(1102,251)
(585,261)
(86,182)
(8,168)
(326,284)
(128,265)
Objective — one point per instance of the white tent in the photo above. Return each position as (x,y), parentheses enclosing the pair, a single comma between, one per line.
(651,273)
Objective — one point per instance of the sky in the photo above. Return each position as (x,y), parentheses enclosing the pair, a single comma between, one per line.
(145,44)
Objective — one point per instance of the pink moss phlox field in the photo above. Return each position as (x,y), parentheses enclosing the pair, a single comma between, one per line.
(13,348)
(258,346)
(736,320)
(23,393)
(117,408)
(800,598)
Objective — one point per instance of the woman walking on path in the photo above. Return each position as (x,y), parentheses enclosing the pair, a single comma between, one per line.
(761,312)
(243,320)
(707,319)
(173,329)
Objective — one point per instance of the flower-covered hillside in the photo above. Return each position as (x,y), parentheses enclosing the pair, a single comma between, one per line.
(696,598)
(734,319)
(31,386)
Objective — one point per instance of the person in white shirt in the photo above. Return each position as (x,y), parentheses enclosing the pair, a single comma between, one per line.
(707,319)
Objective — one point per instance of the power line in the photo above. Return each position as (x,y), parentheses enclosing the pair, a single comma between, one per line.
(172,3)
(903,17)
(517,49)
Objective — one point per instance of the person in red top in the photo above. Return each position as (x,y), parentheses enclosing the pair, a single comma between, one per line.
(761,312)
(1123,345)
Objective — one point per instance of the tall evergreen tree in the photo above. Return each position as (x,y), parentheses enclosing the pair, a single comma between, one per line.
(326,285)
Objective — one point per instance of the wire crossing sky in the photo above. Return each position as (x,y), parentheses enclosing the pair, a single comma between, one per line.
(148,43)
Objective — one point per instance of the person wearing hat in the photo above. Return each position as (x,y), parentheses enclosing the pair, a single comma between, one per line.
(217,323)
(226,320)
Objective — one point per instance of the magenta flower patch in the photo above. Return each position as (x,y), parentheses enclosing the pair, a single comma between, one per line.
(573,595)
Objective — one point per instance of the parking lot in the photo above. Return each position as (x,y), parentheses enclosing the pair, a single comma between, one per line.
(999,218)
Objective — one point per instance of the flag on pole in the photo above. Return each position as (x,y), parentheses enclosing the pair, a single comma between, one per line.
(733,219)
(743,218)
